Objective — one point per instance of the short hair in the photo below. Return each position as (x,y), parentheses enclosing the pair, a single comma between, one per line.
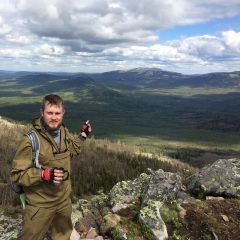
(52,99)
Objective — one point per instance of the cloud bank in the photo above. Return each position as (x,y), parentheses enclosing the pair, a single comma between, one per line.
(105,35)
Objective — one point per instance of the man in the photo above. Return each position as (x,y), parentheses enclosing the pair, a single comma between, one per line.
(47,189)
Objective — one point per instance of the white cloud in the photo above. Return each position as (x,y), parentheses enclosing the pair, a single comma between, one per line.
(4,28)
(7,7)
(202,46)
(232,40)
(18,39)
(52,13)
(18,53)
(46,49)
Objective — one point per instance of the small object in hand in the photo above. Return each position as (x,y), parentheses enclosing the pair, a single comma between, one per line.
(86,129)
(63,171)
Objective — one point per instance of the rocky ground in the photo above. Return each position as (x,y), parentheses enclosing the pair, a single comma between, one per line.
(216,219)
(166,205)
(207,220)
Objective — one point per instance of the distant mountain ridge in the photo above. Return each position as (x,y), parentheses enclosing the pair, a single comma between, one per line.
(137,78)
(142,77)
(158,78)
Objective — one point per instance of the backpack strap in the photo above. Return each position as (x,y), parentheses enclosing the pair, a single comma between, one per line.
(35,147)
(35,154)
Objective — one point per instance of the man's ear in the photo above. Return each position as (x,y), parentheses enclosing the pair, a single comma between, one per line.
(41,111)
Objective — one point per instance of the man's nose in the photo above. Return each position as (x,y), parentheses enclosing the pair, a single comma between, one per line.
(53,116)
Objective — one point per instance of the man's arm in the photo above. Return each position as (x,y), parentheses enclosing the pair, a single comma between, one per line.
(74,143)
(23,171)
(86,129)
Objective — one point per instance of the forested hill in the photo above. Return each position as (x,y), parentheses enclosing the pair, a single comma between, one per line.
(136,78)
(156,78)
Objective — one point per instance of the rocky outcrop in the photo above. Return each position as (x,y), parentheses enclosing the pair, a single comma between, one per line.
(162,187)
(222,178)
(128,191)
(101,215)
(152,190)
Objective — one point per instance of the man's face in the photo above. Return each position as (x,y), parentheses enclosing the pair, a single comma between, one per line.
(52,116)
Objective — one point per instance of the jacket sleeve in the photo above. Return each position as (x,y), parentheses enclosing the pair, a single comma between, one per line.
(23,170)
(74,143)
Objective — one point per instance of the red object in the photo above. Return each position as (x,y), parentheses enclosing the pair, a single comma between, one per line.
(47,174)
(84,127)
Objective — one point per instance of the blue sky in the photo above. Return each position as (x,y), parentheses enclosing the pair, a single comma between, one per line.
(214,27)
(186,36)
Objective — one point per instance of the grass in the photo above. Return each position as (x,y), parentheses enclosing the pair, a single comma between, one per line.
(182,138)
(190,92)
(168,214)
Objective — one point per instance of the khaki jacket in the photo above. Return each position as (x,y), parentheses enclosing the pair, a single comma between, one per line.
(38,192)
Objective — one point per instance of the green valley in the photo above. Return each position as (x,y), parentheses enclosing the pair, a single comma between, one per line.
(185,117)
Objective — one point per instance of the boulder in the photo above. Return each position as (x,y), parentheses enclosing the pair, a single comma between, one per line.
(150,215)
(109,222)
(162,186)
(128,191)
(152,189)
(222,178)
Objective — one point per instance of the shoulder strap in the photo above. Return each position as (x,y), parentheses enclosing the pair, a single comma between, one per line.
(35,147)
(67,139)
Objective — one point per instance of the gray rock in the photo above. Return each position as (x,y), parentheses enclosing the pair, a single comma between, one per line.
(222,178)
(127,191)
(119,206)
(152,189)
(162,186)
(183,197)
(150,215)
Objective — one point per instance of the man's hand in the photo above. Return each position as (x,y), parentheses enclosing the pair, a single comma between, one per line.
(52,175)
(86,129)
(84,134)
